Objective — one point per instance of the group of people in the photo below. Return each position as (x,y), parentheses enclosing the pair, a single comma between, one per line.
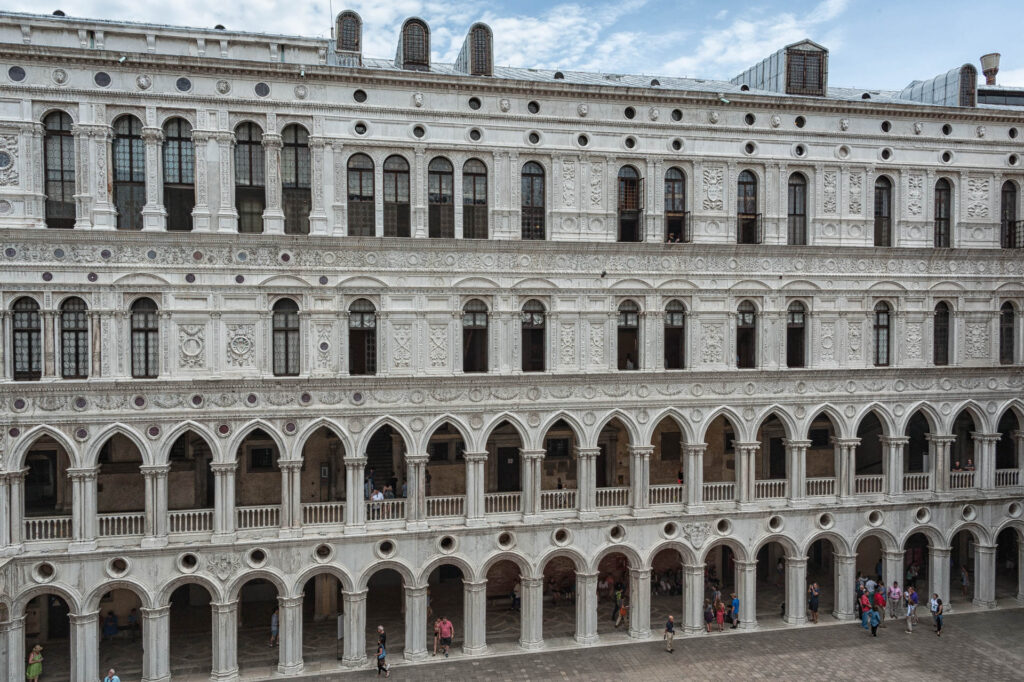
(388,491)
(35,666)
(443,631)
(957,467)
(873,597)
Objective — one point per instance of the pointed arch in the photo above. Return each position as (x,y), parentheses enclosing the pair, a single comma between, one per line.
(16,460)
(882,414)
(163,447)
(92,601)
(247,430)
(931,415)
(396,565)
(628,423)
(731,416)
(322,423)
(673,413)
(579,431)
(407,438)
(978,415)
(788,423)
(456,423)
(514,422)
(336,570)
(271,575)
(840,424)
(92,452)
(460,562)
(1016,406)
(631,554)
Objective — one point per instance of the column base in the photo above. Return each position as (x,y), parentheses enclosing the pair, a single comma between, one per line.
(154,542)
(355,662)
(984,603)
(224,676)
(163,678)
(82,546)
(843,615)
(1020,597)
(586,640)
(290,669)
(531,646)
(798,620)
(639,634)
(475,650)
(415,655)
(692,629)
(748,625)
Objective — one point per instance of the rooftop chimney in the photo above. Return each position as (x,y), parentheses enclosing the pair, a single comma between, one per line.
(990,67)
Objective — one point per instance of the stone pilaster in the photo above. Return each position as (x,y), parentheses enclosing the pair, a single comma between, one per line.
(474,614)
(154,215)
(224,667)
(746,478)
(354,629)
(796,590)
(531,634)
(985,576)
(531,461)
(415,623)
(938,451)
(586,495)
(318,213)
(156,504)
(586,608)
(846,474)
(640,477)
(694,472)
(85,639)
(985,464)
(693,598)
(156,660)
(290,650)
(845,574)
(84,520)
(224,499)
(938,576)
(273,215)
(796,471)
(355,500)
(640,603)
(892,567)
(12,653)
(746,573)
(226,218)
(894,447)
(476,485)
(416,489)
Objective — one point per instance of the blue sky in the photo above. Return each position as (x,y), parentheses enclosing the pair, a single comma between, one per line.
(873,43)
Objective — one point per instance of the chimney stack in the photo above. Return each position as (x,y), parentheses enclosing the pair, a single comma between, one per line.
(990,67)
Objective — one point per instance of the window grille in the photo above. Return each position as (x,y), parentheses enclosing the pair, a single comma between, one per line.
(415,47)
(474,200)
(532,201)
(396,197)
(943,213)
(675,335)
(748,220)
(805,73)
(1007,322)
(27,340)
(474,337)
(349,32)
(295,179)
(797,218)
(286,338)
(250,193)
(533,336)
(362,336)
(179,174)
(1012,237)
(361,212)
(882,335)
(59,170)
(145,339)
(74,339)
(441,199)
(129,172)
(883,212)
(940,335)
(481,52)
(746,335)
(796,332)
(677,224)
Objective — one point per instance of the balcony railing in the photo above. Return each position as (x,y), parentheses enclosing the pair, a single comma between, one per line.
(128,523)
(446,505)
(867,485)
(749,229)
(190,521)
(958,480)
(551,500)
(719,492)
(770,489)
(503,503)
(266,516)
(1007,477)
(1012,234)
(917,482)
(385,510)
(613,497)
(323,513)
(48,528)
(673,493)
(819,487)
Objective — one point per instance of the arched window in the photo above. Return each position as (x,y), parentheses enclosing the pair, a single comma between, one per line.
(746,335)
(441,198)
(796,335)
(675,335)
(415,46)
(286,338)
(532,207)
(533,336)
(27,341)
(179,174)
(350,30)
(1007,322)
(943,213)
(74,339)
(628,338)
(362,337)
(474,200)
(940,334)
(145,339)
(396,197)
(797,210)
(298,198)
(882,334)
(480,60)
(59,162)
(129,172)
(748,220)
(883,211)
(677,225)
(250,169)
(629,204)
(474,337)
(1012,230)
(362,220)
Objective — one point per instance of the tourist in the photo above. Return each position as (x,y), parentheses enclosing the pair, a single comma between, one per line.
(670,633)
(720,614)
(895,595)
(273,628)
(813,594)
(133,623)
(111,676)
(938,619)
(910,612)
(382,637)
(517,594)
(716,592)
(879,602)
(965,581)
(35,664)
(437,634)
(679,476)
(735,611)
(110,626)
(970,465)
(623,610)
(956,466)
(382,660)
(389,493)
(709,615)
(870,585)
(875,618)
(447,630)
(617,603)
(865,609)
(780,574)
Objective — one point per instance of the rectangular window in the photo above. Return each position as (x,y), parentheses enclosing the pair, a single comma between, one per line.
(261,459)
(671,446)
(556,447)
(805,72)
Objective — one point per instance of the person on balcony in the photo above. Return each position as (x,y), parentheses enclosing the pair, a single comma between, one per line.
(970,465)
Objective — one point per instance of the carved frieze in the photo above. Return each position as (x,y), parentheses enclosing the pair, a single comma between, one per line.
(830,180)
(8,160)
(567,344)
(597,344)
(438,346)
(596,192)
(401,354)
(912,342)
(568,183)
(828,341)
(856,193)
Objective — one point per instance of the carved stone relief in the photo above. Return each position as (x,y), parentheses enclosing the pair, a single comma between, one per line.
(8,160)
(241,344)
(567,344)
(856,190)
(913,341)
(711,343)
(915,194)
(596,193)
(829,200)
(191,345)
(401,335)
(323,346)
(853,341)
(713,190)
(568,183)
(977,340)
(977,197)
(828,341)
(438,346)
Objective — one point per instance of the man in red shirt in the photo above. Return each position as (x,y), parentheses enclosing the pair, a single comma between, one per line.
(879,600)
(447,629)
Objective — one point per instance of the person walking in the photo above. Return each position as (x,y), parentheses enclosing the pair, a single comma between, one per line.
(447,630)
(437,634)
(813,594)
(709,615)
(274,622)
(938,619)
(879,603)
(735,611)
(670,633)
(965,581)
(914,601)
(623,610)
(933,606)
(895,595)
(382,660)
(111,676)
(720,615)
(35,664)
(865,609)
(875,619)
(910,611)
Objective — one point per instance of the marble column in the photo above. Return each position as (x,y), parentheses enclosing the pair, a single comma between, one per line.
(1020,570)
(796,590)
(224,666)
(531,634)
(476,485)
(796,471)
(938,576)
(154,215)
(746,476)
(586,608)
(694,476)
(5,516)
(84,522)
(416,489)
(85,637)
(938,450)
(16,505)
(893,448)
(985,576)
(845,575)
(156,504)
(317,213)
(586,492)
(156,642)
(291,500)
(354,643)
(985,464)
(693,598)
(12,654)
(530,461)
(846,483)
(355,499)
(640,476)
(104,213)
(289,660)
(415,623)
(640,603)
(201,210)
(746,572)
(224,499)
(892,567)
(474,617)
(226,218)
(273,215)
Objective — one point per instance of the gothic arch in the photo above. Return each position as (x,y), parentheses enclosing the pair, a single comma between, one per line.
(330,569)
(677,417)
(271,575)
(447,418)
(399,567)
(92,602)
(460,562)
(314,426)
(734,419)
(167,589)
(686,553)
(97,442)
(521,429)
(632,556)
(579,431)
(632,430)
(840,423)
(788,423)
(931,415)
(1016,406)
(16,460)
(883,416)
(371,429)
(247,430)
(978,416)
(163,448)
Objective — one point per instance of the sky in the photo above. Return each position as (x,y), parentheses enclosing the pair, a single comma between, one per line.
(876,44)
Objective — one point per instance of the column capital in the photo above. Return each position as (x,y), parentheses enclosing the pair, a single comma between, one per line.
(155,612)
(694,569)
(289,464)
(796,443)
(590,453)
(415,590)
(417,459)
(939,551)
(289,602)
(845,558)
(532,454)
(935,438)
(695,448)
(846,442)
(83,473)
(642,450)
(355,462)
(751,446)
(986,437)
(532,582)
(155,469)
(746,565)
(355,596)
(893,554)
(272,140)
(474,586)
(475,456)
(639,572)
(985,549)
(223,467)
(84,618)
(894,440)
(796,561)
(223,607)
(586,577)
